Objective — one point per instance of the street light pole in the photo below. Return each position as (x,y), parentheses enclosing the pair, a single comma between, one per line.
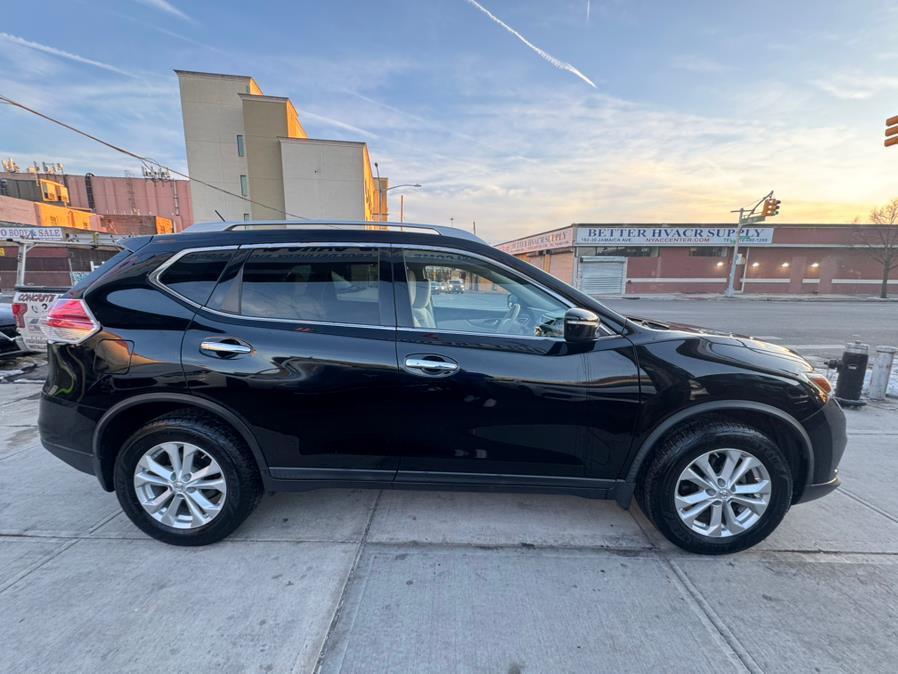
(730,291)
(402,198)
(747,218)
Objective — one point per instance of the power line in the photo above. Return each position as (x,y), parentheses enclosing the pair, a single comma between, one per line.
(141,158)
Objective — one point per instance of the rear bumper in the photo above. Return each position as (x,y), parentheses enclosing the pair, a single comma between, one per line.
(67,432)
(11,346)
(81,460)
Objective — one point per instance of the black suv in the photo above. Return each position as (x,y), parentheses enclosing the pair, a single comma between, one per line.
(192,372)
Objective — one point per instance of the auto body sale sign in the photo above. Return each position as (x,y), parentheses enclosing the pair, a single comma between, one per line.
(672,235)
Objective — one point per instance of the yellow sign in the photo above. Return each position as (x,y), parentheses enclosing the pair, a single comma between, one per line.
(2,252)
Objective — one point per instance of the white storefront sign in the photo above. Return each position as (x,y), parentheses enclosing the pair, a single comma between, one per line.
(561,238)
(36,233)
(673,235)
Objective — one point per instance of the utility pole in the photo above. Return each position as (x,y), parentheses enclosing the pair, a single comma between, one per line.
(748,217)
(401,208)
(474,226)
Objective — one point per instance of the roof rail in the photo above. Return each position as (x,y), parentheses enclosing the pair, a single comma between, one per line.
(238,225)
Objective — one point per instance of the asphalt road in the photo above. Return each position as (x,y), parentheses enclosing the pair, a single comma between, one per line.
(815,327)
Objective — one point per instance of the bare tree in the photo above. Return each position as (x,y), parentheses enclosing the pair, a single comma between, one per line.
(881,240)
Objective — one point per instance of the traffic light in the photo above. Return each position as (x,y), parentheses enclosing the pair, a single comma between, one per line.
(771,207)
(891,131)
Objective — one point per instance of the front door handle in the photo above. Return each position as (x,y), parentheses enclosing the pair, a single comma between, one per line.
(431,365)
(226,347)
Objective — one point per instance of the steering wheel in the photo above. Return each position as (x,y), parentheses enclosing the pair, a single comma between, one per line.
(508,324)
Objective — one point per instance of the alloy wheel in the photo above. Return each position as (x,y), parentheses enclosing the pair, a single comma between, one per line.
(722,493)
(180,485)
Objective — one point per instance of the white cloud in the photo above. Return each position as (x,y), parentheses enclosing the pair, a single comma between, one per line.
(698,64)
(46,49)
(558,63)
(165,6)
(856,86)
(143,116)
(605,159)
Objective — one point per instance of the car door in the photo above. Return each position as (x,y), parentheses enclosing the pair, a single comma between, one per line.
(491,388)
(298,340)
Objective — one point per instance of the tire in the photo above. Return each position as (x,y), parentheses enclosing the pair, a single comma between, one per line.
(661,484)
(238,485)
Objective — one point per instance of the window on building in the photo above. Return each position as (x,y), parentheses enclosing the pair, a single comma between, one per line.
(244,185)
(627,251)
(195,275)
(708,251)
(334,285)
(241,147)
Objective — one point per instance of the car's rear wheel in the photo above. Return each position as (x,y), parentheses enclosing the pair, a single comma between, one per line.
(186,480)
(716,487)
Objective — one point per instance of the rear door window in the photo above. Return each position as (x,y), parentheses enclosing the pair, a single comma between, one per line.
(320,284)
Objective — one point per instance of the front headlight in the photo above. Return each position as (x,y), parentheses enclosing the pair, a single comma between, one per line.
(821,383)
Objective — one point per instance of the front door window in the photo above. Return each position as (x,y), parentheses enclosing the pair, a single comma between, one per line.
(460,293)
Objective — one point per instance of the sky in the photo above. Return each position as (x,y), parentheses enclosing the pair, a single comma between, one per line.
(521,115)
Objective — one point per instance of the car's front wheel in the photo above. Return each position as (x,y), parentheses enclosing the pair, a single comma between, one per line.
(186,480)
(716,487)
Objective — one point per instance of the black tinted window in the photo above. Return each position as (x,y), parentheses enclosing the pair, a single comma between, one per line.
(337,285)
(195,275)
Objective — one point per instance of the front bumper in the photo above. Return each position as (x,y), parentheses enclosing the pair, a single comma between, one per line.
(815,491)
(826,429)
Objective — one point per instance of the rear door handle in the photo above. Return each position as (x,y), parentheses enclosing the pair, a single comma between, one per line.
(229,346)
(431,365)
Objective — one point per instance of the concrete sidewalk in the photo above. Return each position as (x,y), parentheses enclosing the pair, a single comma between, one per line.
(751,297)
(366,581)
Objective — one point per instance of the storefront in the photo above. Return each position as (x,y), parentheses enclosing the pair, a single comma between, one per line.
(612,259)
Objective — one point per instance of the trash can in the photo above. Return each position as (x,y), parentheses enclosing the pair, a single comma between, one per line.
(852,369)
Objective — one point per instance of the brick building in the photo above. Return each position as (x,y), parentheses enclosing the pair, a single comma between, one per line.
(155,194)
(619,259)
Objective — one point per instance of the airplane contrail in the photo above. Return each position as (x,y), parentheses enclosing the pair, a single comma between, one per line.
(587,11)
(561,65)
(37,46)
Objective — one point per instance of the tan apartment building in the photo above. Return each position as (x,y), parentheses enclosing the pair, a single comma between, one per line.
(255,147)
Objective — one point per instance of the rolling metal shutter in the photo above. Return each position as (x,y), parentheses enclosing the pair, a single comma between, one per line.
(603,275)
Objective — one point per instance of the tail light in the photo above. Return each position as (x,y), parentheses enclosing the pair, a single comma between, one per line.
(69,321)
(19,309)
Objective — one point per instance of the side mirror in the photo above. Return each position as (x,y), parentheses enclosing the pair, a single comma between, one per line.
(580,325)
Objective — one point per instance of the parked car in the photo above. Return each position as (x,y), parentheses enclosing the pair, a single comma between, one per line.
(10,342)
(196,371)
(456,287)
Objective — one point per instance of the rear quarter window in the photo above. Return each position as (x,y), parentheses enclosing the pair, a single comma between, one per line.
(194,275)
